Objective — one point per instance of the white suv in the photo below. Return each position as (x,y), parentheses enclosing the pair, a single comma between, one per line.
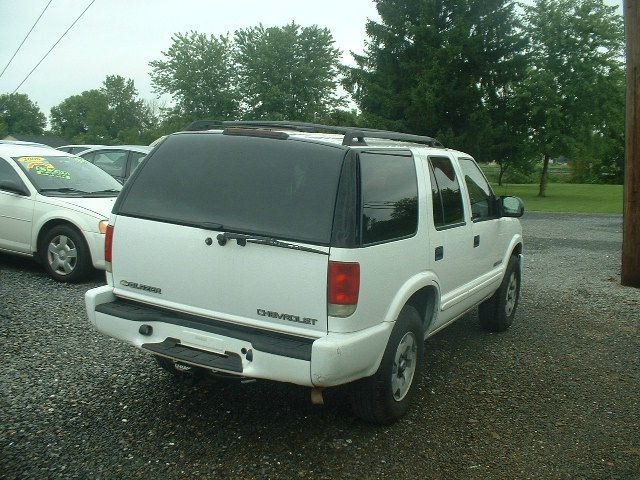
(279,251)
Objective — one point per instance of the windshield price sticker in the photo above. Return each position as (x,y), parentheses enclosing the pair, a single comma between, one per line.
(31,159)
(33,162)
(52,172)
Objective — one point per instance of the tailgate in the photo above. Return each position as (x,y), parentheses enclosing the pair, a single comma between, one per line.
(261,285)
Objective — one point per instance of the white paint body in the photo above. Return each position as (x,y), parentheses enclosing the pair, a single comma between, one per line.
(228,284)
(22,217)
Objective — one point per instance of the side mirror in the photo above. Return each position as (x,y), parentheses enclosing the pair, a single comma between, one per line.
(14,187)
(511,207)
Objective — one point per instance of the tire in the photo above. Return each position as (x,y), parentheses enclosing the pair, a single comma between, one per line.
(383,398)
(65,254)
(497,312)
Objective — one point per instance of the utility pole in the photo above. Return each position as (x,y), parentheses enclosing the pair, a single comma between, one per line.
(631,236)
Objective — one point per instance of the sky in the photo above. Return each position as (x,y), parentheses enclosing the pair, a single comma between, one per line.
(123,36)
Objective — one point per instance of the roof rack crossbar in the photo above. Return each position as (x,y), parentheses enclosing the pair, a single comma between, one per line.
(353,136)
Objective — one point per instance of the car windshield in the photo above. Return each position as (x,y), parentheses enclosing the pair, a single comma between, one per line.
(55,176)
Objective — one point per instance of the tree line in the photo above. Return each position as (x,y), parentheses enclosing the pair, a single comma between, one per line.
(516,84)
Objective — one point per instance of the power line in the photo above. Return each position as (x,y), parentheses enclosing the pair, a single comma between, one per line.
(25,38)
(54,46)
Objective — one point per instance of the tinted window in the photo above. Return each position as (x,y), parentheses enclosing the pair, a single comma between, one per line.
(389,197)
(438,215)
(114,162)
(89,156)
(480,194)
(449,192)
(8,173)
(281,188)
(136,160)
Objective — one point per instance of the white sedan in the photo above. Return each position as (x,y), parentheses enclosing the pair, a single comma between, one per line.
(54,207)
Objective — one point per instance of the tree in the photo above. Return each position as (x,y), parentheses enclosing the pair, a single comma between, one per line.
(288,72)
(440,67)
(129,116)
(19,115)
(507,139)
(199,72)
(83,118)
(111,114)
(575,53)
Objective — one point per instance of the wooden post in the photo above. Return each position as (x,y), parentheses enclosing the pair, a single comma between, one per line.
(631,236)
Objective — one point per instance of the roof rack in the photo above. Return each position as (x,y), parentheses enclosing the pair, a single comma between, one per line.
(353,136)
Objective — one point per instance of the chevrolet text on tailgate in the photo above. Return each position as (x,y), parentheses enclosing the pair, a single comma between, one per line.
(309,254)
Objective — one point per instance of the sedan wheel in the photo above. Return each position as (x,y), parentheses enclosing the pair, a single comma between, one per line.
(65,255)
(62,255)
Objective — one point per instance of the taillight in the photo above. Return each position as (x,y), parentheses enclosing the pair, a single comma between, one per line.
(108,246)
(343,288)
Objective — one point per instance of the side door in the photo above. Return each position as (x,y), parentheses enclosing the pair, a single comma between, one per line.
(450,237)
(16,213)
(487,251)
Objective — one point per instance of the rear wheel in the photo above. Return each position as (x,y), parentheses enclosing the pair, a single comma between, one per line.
(385,396)
(65,254)
(497,312)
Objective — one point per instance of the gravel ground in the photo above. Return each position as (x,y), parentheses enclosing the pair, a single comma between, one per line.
(557,396)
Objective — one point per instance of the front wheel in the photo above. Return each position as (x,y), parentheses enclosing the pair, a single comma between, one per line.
(497,312)
(386,396)
(65,254)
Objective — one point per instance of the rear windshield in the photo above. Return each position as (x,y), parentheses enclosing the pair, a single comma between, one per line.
(280,188)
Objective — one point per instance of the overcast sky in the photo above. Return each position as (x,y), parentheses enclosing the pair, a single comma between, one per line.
(123,36)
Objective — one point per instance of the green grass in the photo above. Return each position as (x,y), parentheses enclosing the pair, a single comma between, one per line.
(567,197)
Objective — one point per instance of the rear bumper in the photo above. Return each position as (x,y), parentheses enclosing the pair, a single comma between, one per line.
(235,349)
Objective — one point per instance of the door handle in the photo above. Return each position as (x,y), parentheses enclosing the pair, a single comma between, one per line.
(439,253)
(476,241)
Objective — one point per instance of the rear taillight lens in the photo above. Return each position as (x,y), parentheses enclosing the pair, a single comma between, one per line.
(343,288)
(108,246)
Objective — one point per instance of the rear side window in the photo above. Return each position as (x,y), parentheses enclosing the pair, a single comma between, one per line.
(281,188)
(447,198)
(389,197)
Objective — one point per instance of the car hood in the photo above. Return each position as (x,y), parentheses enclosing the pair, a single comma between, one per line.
(100,206)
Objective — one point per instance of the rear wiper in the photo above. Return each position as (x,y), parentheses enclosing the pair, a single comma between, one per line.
(62,190)
(243,239)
